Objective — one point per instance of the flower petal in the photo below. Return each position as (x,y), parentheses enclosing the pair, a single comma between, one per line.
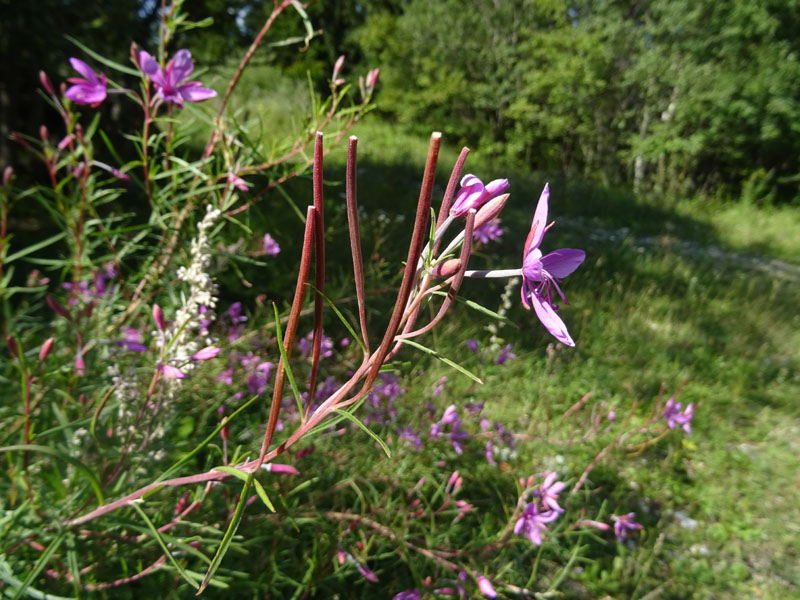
(562,262)
(84,69)
(549,318)
(86,94)
(539,222)
(181,68)
(151,68)
(193,92)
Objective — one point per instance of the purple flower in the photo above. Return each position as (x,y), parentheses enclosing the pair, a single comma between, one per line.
(412,594)
(488,232)
(133,340)
(456,436)
(485,586)
(505,354)
(410,435)
(473,194)
(540,273)
(623,524)
(271,247)
(674,416)
(450,415)
(533,523)
(169,82)
(235,313)
(89,90)
(549,490)
(472,345)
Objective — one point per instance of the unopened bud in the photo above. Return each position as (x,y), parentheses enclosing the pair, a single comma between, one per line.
(79,132)
(79,171)
(226,429)
(43,132)
(490,210)
(45,81)
(80,365)
(158,317)
(19,139)
(13,347)
(372,79)
(337,67)
(206,353)
(447,268)
(8,173)
(56,306)
(135,54)
(65,141)
(46,348)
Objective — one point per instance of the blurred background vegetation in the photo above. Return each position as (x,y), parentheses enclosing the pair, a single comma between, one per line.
(670,96)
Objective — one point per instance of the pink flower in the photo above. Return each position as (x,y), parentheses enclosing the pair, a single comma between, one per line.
(158,317)
(549,490)
(89,90)
(674,416)
(473,194)
(533,523)
(623,524)
(171,82)
(271,247)
(540,273)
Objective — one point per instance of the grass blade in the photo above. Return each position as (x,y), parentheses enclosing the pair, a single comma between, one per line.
(372,434)
(444,359)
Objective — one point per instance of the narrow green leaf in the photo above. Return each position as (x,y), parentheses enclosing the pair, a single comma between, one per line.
(160,540)
(34,573)
(339,314)
(286,366)
(73,461)
(371,433)
(34,247)
(445,360)
(102,59)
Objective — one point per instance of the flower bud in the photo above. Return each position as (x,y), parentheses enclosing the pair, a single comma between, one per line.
(158,317)
(13,347)
(45,81)
(8,173)
(170,372)
(65,141)
(485,586)
(46,348)
(206,353)
(226,429)
(80,365)
(336,68)
(490,210)
(56,307)
(19,139)
(372,79)
(447,268)
(43,132)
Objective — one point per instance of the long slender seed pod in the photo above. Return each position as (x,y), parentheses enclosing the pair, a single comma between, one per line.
(319,270)
(355,237)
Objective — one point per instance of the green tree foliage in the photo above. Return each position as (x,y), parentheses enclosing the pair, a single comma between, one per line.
(674,94)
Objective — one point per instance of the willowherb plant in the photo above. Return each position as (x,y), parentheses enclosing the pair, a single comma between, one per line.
(145,385)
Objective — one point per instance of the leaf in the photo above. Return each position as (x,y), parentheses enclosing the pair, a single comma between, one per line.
(243,476)
(34,573)
(339,314)
(285,361)
(445,360)
(34,247)
(160,540)
(73,461)
(371,433)
(102,59)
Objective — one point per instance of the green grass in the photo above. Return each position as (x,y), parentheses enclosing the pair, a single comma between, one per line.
(668,292)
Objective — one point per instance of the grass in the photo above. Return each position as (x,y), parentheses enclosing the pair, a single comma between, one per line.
(700,290)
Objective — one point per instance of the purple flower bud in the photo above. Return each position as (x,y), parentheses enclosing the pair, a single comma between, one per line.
(206,353)
(238,182)
(372,79)
(158,317)
(337,66)
(8,173)
(65,141)
(472,345)
(46,348)
(412,594)
(473,194)
(43,132)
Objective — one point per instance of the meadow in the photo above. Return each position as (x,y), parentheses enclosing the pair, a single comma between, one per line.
(131,452)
